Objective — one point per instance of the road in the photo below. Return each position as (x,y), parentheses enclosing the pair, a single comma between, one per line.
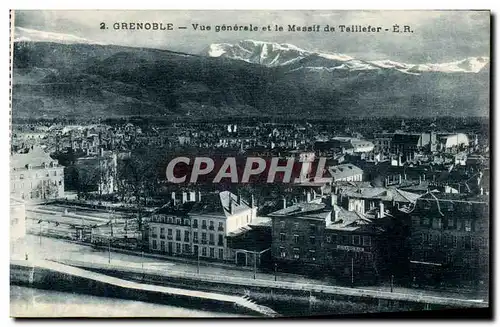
(56,249)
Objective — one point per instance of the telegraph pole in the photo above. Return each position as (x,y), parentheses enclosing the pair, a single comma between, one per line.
(254,265)
(275,272)
(198,261)
(352,271)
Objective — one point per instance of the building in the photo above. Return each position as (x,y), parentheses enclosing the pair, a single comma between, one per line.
(34,175)
(200,226)
(323,238)
(374,201)
(450,240)
(408,144)
(97,172)
(454,141)
(345,173)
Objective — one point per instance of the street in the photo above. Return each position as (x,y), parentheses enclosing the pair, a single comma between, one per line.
(56,249)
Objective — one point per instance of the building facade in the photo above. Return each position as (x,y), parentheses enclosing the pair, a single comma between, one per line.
(199,226)
(450,240)
(36,176)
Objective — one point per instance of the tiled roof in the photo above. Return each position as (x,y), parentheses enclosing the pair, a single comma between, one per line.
(306,210)
(36,157)
(380,193)
(344,170)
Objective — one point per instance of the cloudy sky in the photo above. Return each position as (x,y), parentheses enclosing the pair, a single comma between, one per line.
(438,36)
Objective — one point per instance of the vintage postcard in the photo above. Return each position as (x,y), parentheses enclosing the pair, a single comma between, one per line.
(249,163)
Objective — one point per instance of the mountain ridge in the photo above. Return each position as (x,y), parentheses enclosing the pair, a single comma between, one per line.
(273,54)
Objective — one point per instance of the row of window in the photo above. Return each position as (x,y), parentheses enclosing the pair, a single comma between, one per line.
(333,238)
(296,254)
(47,174)
(312,228)
(186,236)
(450,223)
(186,222)
(180,248)
(466,242)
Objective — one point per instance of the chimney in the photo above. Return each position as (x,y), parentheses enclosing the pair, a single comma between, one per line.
(88,151)
(400,179)
(381,210)
(231,206)
(423,175)
(252,201)
(199,196)
(239,199)
(192,196)
(308,196)
(284,203)
(101,152)
(419,180)
(333,200)
(184,197)
(173,197)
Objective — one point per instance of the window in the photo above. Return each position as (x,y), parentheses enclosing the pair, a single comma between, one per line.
(204,251)
(221,240)
(282,237)
(467,242)
(345,239)
(178,247)
(211,239)
(187,248)
(282,224)
(335,238)
(312,239)
(60,183)
(212,253)
(468,225)
(367,240)
(312,228)
(204,224)
(186,222)
(204,238)
(425,221)
(312,255)
(460,224)
(21,176)
(196,250)
(195,223)
(221,227)
(436,223)
(169,233)
(454,240)
(211,227)
(221,253)
(282,252)
(451,222)
(296,225)
(162,233)
(170,220)
(154,231)
(296,253)
(356,239)
(195,237)
(295,238)
(162,246)
(329,239)
(177,235)
(155,244)
(186,236)
(178,221)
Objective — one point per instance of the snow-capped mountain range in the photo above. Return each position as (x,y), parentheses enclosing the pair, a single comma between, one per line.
(274,54)
(22,34)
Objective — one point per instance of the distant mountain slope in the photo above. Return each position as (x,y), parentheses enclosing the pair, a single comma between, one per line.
(82,80)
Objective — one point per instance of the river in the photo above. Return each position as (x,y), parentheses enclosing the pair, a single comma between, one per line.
(32,302)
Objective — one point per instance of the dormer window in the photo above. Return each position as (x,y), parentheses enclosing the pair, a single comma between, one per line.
(46,165)
(29,166)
